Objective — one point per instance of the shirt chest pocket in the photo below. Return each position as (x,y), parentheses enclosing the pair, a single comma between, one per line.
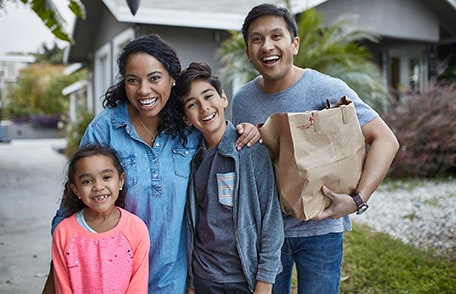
(225,186)
(181,161)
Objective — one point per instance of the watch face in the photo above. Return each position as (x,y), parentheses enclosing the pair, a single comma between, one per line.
(362,208)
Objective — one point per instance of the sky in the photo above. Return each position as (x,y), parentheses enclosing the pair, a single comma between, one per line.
(21,30)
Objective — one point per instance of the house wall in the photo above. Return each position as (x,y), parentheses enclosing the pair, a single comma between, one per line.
(405,28)
(404,19)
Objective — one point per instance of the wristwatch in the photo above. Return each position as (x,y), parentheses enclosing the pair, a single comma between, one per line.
(360,204)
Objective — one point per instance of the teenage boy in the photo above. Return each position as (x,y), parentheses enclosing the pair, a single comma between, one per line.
(235,222)
(315,246)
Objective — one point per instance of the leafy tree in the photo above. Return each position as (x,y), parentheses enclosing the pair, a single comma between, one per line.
(38,91)
(53,55)
(334,50)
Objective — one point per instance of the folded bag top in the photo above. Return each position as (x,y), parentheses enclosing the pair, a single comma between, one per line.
(311,149)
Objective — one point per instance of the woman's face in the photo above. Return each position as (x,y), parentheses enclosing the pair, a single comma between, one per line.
(147,83)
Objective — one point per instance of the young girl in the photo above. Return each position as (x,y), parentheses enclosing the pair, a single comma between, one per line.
(100,248)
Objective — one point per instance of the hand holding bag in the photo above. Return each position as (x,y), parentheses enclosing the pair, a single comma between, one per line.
(312,149)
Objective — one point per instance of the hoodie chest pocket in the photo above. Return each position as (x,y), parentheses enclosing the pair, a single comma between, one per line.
(225,185)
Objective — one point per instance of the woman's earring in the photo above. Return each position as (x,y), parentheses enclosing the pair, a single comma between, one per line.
(174,83)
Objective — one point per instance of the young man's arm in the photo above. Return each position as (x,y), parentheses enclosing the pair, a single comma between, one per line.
(383,148)
(248,135)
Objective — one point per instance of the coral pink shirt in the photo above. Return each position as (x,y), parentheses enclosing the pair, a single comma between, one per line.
(116,261)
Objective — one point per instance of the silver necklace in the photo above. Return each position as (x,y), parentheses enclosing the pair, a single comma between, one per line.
(153,137)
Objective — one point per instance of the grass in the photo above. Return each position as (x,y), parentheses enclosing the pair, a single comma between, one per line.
(375,263)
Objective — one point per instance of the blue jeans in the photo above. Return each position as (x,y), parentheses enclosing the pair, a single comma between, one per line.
(205,287)
(318,263)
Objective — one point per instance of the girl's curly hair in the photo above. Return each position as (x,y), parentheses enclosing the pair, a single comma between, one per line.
(70,200)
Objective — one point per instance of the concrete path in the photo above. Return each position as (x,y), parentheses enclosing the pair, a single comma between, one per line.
(32,173)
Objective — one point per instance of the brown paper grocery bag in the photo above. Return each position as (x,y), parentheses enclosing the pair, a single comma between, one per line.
(312,149)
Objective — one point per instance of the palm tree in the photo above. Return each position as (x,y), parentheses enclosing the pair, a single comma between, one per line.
(334,50)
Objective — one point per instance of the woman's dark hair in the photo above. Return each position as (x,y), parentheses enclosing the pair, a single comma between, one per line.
(196,71)
(70,200)
(171,115)
(268,9)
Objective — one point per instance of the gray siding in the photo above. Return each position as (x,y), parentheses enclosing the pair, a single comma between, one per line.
(402,19)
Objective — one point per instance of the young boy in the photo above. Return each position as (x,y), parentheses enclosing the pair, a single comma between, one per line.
(235,222)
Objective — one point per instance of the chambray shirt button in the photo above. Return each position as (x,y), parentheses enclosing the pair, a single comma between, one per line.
(157,144)
(155,175)
(186,152)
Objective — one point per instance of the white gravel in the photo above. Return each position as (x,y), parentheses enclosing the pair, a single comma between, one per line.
(417,212)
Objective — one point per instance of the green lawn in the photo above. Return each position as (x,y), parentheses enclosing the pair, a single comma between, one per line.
(376,263)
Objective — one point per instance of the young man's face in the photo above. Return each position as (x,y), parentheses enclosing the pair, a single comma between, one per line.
(271,47)
(204,108)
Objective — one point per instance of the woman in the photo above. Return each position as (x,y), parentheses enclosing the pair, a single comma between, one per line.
(143,123)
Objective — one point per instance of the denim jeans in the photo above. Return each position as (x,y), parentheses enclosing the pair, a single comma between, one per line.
(318,263)
(205,286)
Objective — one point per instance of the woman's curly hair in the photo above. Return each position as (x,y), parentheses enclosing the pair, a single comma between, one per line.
(171,121)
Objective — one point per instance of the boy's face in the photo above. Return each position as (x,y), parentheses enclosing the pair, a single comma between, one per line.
(271,48)
(204,108)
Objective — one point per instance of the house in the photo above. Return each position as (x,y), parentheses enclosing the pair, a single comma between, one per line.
(411,31)
(10,66)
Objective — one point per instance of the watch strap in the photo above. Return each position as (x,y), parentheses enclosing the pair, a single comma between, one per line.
(357,198)
(361,206)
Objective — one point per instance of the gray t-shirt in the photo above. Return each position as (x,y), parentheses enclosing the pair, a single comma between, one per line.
(310,92)
(215,257)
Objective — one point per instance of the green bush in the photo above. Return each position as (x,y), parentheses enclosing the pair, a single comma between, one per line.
(75,130)
(425,126)
(37,96)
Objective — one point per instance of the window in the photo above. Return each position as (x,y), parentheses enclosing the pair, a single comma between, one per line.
(414,75)
(102,75)
(118,43)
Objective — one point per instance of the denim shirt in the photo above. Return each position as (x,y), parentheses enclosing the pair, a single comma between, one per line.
(156,181)
(257,216)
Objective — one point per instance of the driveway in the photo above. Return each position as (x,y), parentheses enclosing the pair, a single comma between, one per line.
(32,173)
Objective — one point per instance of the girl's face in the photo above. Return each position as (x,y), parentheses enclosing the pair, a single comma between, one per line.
(205,109)
(97,183)
(147,84)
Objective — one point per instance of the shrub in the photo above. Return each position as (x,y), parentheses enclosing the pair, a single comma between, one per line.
(75,130)
(425,126)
